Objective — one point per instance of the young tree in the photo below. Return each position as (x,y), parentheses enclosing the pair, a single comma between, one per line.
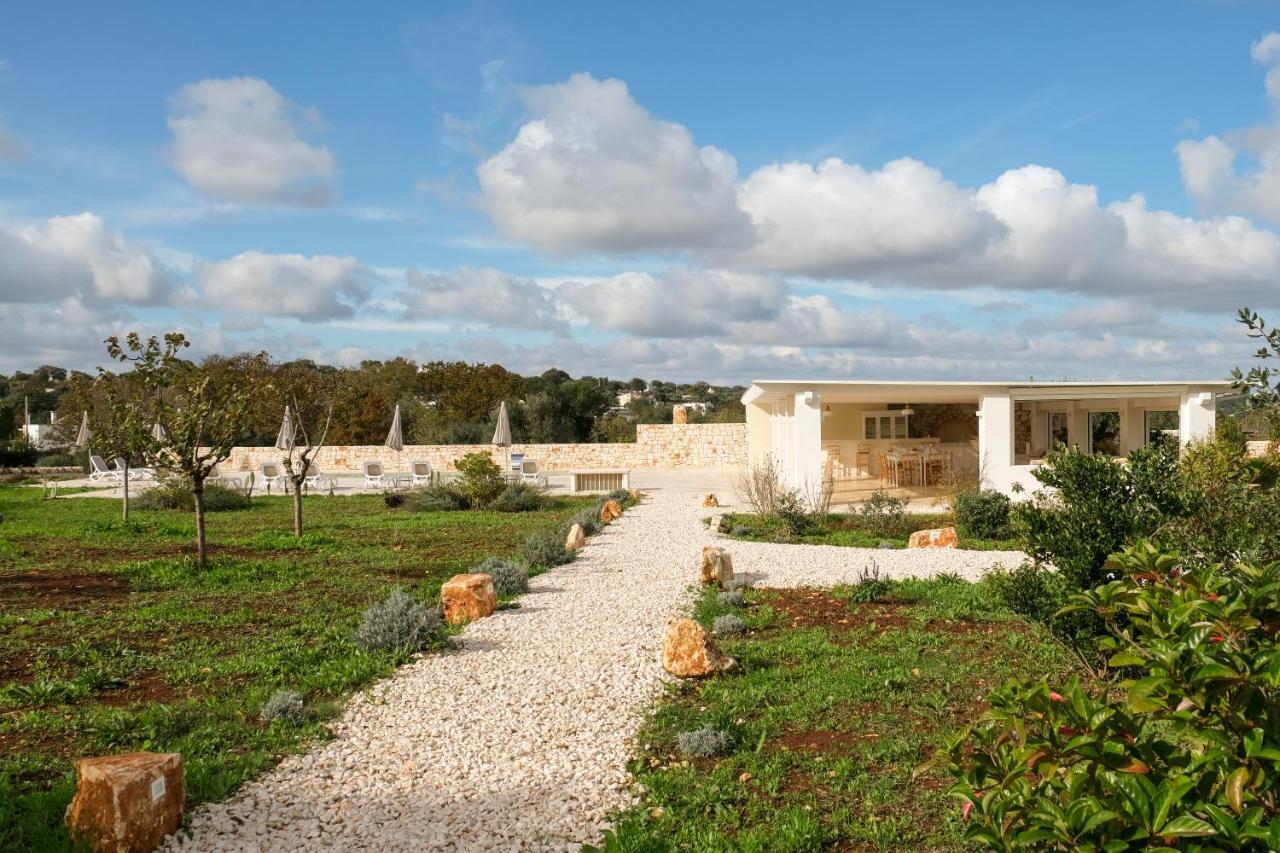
(202,410)
(120,427)
(1261,385)
(310,397)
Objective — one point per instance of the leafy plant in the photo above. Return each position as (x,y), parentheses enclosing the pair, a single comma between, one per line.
(546,548)
(588,520)
(509,577)
(871,586)
(760,486)
(481,479)
(171,493)
(1185,747)
(437,497)
(884,515)
(399,623)
(518,497)
(705,742)
(731,598)
(284,705)
(982,514)
(728,624)
(393,500)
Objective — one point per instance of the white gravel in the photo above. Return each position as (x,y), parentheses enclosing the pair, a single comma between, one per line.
(519,740)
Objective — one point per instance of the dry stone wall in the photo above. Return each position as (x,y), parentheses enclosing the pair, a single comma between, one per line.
(656,446)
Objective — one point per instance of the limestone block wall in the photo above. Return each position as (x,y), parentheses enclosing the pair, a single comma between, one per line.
(656,446)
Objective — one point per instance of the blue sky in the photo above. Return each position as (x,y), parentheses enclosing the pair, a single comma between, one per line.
(674,190)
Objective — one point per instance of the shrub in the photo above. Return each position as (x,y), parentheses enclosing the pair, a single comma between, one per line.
(176,494)
(1184,748)
(705,742)
(509,577)
(397,623)
(622,496)
(871,586)
(732,598)
(760,486)
(17,457)
(882,514)
(546,548)
(794,516)
(56,460)
(284,705)
(393,500)
(518,497)
(728,624)
(982,515)
(1030,590)
(481,479)
(738,584)
(588,520)
(438,497)
(740,530)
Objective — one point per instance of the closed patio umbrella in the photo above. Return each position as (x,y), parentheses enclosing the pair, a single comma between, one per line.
(502,434)
(158,433)
(82,437)
(287,434)
(395,436)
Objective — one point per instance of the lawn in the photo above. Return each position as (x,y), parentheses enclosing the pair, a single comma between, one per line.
(111,640)
(835,706)
(853,530)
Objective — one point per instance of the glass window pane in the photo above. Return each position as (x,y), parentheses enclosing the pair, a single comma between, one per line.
(1059,432)
(1161,426)
(900,427)
(869,426)
(1104,433)
(886,426)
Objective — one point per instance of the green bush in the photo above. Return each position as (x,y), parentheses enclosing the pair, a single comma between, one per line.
(176,494)
(731,598)
(546,548)
(588,520)
(871,586)
(1183,752)
(284,705)
(481,479)
(622,496)
(518,497)
(509,577)
(56,460)
(728,624)
(438,497)
(882,514)
(705,742)
(793,514)
(982,515)
(17,457)
(398,623)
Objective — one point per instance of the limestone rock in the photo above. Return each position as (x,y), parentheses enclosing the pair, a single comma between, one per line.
(710,501)
(679,415)
(576,538)
(468,597)
(942,537)
(126,802)
(717,567)
(611,510)
(688,652)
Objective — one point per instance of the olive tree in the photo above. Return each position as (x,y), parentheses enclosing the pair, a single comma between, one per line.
(1261,384)
(309,396)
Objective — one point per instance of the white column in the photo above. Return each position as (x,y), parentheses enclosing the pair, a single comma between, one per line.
(807,446)
(1197,416)
(995,440)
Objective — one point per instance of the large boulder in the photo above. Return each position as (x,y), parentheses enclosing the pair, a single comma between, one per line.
(942,537)
(576,538)
(711,501)
(610,510)
(688,651)
(126,803)
(468,597)
(717,567)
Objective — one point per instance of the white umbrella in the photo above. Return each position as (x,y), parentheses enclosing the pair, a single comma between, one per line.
(395,437)
(288,434)
(158,433)
(502,434)
(82,437)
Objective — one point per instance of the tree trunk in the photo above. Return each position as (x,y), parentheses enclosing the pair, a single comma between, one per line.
(125,502)
(297,507)
(202,556)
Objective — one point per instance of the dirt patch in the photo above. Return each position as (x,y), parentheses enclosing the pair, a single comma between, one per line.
(143,687)
(61,590)
(815,608)
(821,742)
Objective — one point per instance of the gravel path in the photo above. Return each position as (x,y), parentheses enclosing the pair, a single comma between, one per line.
(519,740)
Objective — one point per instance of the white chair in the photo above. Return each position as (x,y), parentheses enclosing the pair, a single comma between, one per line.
(375,476)
(530,473)
(315,479)
(273,475)
(99,472)
(420,473)
(135,473)
(516,462)
(218,476)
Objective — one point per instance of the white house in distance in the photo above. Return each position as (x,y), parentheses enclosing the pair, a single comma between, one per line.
(911,436)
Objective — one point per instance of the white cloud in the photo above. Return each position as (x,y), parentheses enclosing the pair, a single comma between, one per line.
(593,171)
(77,256)
(12,146)
(487,295)
(239,139)
(1208,165)
(675,304)
(319,287)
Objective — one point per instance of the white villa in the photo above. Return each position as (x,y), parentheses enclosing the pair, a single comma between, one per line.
(911,436)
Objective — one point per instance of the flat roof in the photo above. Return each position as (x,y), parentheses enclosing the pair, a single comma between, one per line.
(924,390)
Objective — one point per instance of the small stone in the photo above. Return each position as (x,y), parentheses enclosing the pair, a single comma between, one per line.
(688,652)
(610,511)
(717,567)
(468,597)
(126,802)
(576,538)
(942,537)
(711,501)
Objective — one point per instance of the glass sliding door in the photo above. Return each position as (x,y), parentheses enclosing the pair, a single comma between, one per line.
(1059,430)
(1104,433)
(1160,426)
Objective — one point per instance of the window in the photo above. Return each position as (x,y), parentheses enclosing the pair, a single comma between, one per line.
(1104,433)
(1059,430)
(1161,426)
(890,423)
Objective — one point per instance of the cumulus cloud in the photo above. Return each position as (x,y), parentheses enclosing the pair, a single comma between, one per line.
(487,295)
(77,256)
(1209,169)
(240,139)
(593,171)
(677,303)
(320,287)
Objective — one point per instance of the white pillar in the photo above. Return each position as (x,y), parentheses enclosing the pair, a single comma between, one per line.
(807,447)
(1197,416)
(995,440)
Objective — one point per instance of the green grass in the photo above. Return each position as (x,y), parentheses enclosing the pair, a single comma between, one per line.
(112,641)
(853,531)
(830,720)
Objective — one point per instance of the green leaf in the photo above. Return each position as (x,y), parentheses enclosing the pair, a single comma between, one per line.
(1125,659)
(1140,698)
(1187,826)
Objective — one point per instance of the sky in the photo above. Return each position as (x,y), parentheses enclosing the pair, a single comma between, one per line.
(717,191)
